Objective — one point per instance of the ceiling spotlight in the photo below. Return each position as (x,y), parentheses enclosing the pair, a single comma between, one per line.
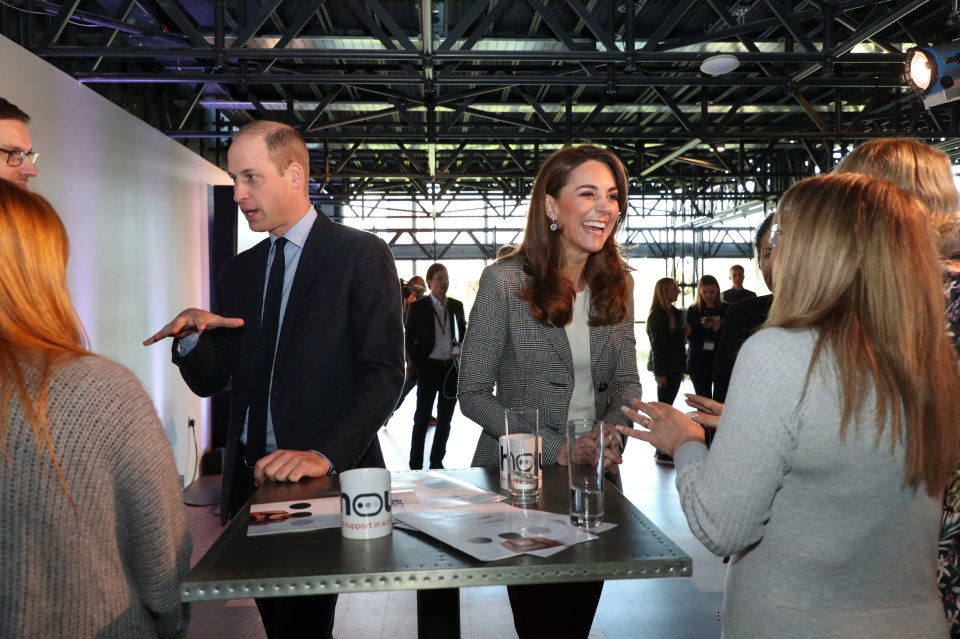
(934,72)
(719,64)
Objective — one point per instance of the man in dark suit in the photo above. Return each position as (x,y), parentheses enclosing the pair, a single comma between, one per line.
(312,353)
(434,333)
(743,318)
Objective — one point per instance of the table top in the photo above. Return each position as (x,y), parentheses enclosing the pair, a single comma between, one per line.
(323,562)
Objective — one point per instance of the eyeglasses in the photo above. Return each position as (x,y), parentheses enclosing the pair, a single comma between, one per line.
(775,234)
(15,158)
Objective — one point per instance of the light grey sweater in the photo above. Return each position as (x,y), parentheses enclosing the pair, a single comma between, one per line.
(826,539)
(112,567)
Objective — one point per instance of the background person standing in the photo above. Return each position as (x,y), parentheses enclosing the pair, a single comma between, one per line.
(668,355)
(737,293)
(434,333)
(742,320)
(704,327)
(410,292)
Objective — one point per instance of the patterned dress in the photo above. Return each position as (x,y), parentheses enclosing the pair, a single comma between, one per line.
(948,572)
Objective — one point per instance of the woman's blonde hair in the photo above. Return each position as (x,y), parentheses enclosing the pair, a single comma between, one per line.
(661,301)
(39,328)
(854,249)
(916,167)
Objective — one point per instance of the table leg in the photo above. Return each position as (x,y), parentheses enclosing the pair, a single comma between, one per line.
(438,613)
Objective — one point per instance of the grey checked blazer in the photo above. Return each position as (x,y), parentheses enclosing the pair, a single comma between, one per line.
(531,365)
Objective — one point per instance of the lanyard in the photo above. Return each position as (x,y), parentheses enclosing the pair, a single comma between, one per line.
(441,324)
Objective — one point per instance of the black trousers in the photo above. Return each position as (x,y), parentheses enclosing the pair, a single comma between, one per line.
(702,384)
(436,380)
(667,394)
(283,617)
(554,611)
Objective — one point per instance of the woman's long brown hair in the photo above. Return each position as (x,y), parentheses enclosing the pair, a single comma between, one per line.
(550,294)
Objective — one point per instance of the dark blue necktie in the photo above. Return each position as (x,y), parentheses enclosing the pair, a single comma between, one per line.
(262,370)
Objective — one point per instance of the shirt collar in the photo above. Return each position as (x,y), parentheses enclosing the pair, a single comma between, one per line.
(437,303)
(298,233)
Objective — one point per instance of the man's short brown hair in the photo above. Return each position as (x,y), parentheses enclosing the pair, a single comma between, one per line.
(10,111)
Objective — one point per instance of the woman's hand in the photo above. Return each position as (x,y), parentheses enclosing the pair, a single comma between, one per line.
(666,428)
(712,323)
(612,449)
(706,411)
(562,458)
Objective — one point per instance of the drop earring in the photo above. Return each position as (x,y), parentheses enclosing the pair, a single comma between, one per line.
(553,225)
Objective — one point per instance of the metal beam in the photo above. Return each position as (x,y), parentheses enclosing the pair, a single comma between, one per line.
(184,23)
(790,25)
(250,29)
(59,22)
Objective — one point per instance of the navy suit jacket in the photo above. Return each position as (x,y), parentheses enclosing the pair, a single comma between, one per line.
(339,361)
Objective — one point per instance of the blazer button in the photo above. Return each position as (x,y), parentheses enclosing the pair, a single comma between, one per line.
(602,387)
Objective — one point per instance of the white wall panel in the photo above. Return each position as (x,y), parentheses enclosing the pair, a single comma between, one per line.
(135,204)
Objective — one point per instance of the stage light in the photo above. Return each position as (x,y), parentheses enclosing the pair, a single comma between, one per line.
(934,73)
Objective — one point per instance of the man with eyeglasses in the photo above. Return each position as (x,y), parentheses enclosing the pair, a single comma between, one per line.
(17,157)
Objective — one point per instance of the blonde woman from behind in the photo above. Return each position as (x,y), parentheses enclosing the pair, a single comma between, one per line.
(839,433)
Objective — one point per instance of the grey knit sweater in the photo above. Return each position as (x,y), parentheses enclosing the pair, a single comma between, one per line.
(826,539)
(110,568)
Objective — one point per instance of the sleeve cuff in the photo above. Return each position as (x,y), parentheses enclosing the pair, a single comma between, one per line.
(187,344)
(330,463)
(692,452)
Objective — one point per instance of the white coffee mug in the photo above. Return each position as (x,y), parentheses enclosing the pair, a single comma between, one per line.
(365,509)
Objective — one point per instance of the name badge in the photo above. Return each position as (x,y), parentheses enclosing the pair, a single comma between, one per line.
(709,346)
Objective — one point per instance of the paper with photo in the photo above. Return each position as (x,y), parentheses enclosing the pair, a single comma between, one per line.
(496,530)
(294,516)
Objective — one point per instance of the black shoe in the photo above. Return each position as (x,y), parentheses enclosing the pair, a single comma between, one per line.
(416,466)
(663,458)
(437,467)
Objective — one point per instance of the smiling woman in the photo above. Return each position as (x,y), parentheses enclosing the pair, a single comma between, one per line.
(585,212)
(552,328)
